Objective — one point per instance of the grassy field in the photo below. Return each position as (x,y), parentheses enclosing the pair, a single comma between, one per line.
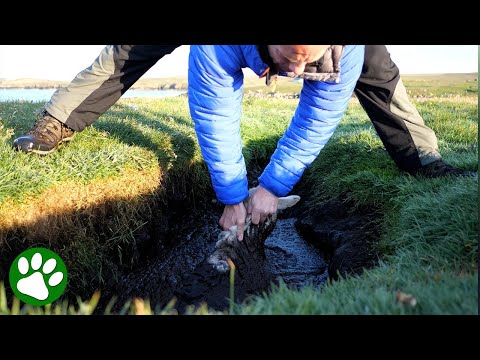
(89,201)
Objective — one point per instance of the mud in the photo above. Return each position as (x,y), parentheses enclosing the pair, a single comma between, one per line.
(195,271)
(344,237)
(304,250)
(290,258)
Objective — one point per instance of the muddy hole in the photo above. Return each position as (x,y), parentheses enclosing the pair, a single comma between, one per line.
(188,255)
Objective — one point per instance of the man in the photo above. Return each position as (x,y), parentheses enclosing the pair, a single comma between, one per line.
(90,94)
(215,85)
(410,143)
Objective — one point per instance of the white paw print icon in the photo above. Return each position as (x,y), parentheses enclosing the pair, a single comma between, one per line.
(34,285)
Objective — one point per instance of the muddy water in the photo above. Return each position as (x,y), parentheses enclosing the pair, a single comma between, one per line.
(184,273)
(291,258)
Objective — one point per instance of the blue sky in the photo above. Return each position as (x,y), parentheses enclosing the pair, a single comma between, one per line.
(63,62)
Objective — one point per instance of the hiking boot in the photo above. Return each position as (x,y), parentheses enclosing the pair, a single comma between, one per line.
(45,136)
(439,168)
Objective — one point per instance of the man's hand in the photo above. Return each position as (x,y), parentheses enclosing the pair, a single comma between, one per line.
(234,215)
(261,204)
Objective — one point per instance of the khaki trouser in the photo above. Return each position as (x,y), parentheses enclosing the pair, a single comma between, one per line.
(94,90)
(402,130)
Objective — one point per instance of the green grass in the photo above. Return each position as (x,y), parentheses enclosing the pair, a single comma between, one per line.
(159,134)
(429,240)
(95,232)
(374,293)
(421,86)
(441,85)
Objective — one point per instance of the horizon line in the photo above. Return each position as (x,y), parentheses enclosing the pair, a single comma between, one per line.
(246,75)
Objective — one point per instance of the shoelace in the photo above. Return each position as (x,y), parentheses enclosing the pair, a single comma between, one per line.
(44,131)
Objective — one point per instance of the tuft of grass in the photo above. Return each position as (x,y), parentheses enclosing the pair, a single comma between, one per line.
(232,286)
(439,223)
(135,306)
(59,307)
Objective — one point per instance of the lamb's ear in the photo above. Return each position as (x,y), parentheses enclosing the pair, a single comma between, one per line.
(287,201)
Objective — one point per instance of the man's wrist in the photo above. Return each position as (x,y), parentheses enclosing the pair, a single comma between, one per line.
(268,188)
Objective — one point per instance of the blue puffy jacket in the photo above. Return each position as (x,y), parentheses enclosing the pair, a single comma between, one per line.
(215,89)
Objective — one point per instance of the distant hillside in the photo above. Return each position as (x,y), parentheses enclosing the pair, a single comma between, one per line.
(31,84)
(254,84)
(468,77)
(176,83)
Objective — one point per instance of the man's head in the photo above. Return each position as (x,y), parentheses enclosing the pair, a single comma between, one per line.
(293,58)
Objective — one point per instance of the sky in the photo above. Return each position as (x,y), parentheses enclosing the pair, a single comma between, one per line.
(63,62)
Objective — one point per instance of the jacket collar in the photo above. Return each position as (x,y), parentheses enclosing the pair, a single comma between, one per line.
(272,71)
(327,68)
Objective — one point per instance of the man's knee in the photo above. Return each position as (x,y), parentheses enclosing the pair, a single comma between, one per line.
(378,64)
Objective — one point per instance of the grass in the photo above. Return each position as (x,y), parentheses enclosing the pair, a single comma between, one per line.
(108,182)
(374,293)
(155,136)
(441,85)
(91,199)
(81,307)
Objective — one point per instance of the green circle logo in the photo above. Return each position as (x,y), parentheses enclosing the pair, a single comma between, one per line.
(38,276)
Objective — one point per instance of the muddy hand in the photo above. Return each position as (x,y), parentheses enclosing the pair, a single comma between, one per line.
(234,215)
